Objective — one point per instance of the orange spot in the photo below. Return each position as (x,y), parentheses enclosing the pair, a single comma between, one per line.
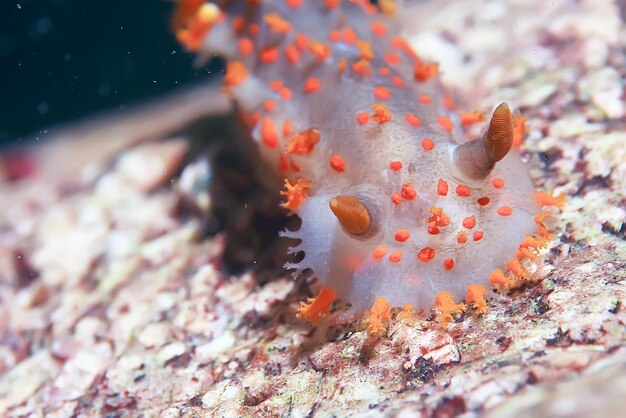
(448,264)
(254,29)
(392,59)
(379,316)
(442,187)
(398,82)
(292,54)
(402,235)
(497,182)
(545,199)
(384,71)
(268,133)
(311,85)
(395,166)
(395,256)
(334,36)
(408,192)
(365,49)
(439,217)
(283,163)
(413,120)
(382,93)
(362,118)
(349,36)
(238,24)
(447,307)
(269,105)
(469,222)
(246,46)
(519,129)
(448,103)
(424,71)
(287,127)
(337,163)
(318,307)
(255,117)
(505,210)
(426,254)
(362,67)
(478,235)
(432,230)
(296,194)
(407,314)
(401,45)
(378,28)
(301,41)
(476,297)
(396,198)
(461,237)
(424,99)
(483,201)
(303,142)
(236,73)
(428,144)
(320,50)
(381,114)
(269,55)
(470,118)
(332,4)
(379,252)
(445,123)
(462,190)
(276,23)
(294,4)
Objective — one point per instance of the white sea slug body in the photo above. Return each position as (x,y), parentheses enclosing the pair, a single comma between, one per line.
(393,201)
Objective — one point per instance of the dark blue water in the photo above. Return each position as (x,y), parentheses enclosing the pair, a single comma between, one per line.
(64,59)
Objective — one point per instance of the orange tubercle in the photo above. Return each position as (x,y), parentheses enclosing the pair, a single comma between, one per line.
(381,114)
(447,307)
(296,194)
(236,73)
(407,314)
(439,217)
(445,123)
(545,199)
(476,297)
(423,72)
(379,316)
(500,281)
(303,142)
(317,307)
(276,23)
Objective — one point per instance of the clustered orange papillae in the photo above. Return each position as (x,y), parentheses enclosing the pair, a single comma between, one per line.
(195,18)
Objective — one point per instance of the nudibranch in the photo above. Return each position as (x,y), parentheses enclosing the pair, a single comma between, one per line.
(398,208)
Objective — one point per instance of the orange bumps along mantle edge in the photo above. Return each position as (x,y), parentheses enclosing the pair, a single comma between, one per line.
(397,208)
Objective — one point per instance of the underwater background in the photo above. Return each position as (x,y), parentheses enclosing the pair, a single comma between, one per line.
(65,59)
